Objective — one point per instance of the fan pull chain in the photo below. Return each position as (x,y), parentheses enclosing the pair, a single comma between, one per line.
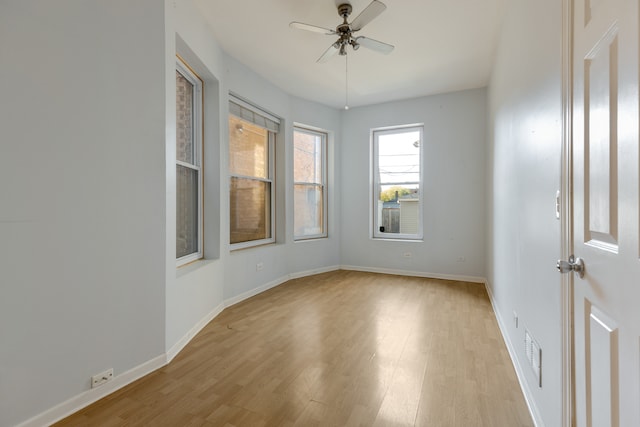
(346,82)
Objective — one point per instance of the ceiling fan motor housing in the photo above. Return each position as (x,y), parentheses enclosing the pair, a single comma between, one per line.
(344,10)
(344,29)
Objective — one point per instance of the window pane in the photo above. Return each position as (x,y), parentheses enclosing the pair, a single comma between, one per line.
(250,210)
(398,209)
(307,157)
(399,157)
(308,220)
(248,149)
(184,119)
(187,211)
(397,178)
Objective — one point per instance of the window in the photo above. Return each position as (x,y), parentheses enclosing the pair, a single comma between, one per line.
(252,134)
(397,169)
(188,165)
(309,176)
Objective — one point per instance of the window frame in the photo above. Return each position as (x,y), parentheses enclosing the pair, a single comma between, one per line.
(271,144)
(376,184)
(198,138)
(324,135)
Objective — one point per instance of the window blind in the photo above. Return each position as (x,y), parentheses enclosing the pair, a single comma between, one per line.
(253,114)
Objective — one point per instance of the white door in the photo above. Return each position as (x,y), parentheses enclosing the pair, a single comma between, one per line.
(605,213)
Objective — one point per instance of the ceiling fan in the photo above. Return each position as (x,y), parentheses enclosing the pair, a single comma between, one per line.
(346,30)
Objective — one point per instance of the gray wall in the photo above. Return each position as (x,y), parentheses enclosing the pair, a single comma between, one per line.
(454,190)
(82,223)
(87,217)
(201,290)
(525,137)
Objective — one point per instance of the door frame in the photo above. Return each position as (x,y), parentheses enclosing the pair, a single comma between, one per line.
(566,216)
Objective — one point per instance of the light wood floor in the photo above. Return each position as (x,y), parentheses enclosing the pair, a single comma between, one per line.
(338,349)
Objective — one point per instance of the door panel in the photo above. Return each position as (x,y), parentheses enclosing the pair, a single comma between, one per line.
(601,367)
(600,210)
(606,182)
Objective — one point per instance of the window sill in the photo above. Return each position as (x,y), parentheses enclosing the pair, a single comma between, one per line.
(310,239)
(235,247)
(391,239)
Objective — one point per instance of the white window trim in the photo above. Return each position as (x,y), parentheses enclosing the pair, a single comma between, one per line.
(271,178)
(325,141)
(375,232)
(198,110)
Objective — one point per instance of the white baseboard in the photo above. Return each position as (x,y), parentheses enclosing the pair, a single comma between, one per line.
(456,277)
(524,386)
(182,343)
(255,291)
(311,272)
(88,397)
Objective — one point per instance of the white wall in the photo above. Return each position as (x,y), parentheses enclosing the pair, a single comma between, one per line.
(82,174)
(525,136)
(454,191)
(87,223)
(199,291)
(286,256)
(309,255)
(87,218)
(194,292)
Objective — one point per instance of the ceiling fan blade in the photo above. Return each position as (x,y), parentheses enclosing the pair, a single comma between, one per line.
(328,53)
(374,45)
(369,13)
(314,28)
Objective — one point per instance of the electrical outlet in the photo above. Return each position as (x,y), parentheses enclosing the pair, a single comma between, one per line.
(407,254)
(259,266)
(515,319)
(101,378)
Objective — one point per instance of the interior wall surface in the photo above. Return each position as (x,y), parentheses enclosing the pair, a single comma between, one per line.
(200,290)
(523,175)
(453,190)
(278,261)
(194,291)
(318,254)
(87,220)
(82,179)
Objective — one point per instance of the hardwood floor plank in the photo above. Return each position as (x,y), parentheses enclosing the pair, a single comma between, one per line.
(342,348)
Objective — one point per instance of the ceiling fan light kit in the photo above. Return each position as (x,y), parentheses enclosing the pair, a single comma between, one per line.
(345,32)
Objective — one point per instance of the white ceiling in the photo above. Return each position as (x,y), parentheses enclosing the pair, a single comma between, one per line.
(440,46)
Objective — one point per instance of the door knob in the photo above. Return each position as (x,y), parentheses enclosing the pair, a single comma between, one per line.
(574,264)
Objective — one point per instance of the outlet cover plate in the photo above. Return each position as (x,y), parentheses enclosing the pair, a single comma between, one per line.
(101,378)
